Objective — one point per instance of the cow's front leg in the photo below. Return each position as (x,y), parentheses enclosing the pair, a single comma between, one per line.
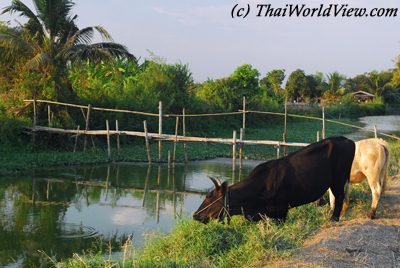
(279,213)
(282,217)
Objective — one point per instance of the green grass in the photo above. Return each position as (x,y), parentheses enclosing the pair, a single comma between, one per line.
(239,244)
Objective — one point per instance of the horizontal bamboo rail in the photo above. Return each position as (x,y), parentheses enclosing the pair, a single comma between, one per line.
(129,111)
(203,115)
(327,120)
(167,137)
(93,108)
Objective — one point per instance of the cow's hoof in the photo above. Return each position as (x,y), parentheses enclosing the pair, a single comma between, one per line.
(334,219)
(371,215)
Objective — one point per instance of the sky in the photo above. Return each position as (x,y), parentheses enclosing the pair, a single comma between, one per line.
(203,35)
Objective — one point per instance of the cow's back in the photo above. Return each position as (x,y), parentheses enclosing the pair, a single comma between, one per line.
(371,157)
(317,167)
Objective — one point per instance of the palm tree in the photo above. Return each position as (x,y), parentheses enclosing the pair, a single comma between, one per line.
(335,82)
(50,41)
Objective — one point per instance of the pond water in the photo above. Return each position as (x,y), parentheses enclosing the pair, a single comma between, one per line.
(384,123)
(60,211)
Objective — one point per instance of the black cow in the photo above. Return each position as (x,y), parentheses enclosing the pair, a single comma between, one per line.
(277,185)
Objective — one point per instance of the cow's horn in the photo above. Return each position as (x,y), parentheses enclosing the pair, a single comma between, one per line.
(217,183)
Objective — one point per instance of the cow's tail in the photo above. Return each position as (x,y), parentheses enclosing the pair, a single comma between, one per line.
(383,175)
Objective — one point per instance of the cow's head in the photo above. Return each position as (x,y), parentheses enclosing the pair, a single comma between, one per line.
(213,207)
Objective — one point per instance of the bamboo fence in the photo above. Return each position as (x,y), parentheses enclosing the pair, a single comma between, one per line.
(180,138)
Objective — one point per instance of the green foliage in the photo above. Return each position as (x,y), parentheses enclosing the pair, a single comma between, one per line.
(11,130)
(335,82)
(346,107)
(226,94)
(297,86)
(50,40)
(271,87)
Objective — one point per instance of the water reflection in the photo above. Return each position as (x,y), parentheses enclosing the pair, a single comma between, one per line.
(66,210)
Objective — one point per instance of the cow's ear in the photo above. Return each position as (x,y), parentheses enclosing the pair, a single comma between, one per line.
(224,187)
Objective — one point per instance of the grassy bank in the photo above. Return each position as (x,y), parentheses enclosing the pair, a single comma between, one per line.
(240,244)
(24,158)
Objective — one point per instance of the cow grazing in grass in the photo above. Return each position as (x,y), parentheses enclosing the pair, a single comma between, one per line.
(277,185)
(370,162)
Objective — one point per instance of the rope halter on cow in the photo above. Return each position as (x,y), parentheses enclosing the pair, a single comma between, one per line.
(209,205)
(225,208)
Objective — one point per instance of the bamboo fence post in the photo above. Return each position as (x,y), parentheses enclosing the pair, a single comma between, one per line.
(108,140)
(86,126)
(234,151)
(278,150)
(176,140)
(49,115)
(244,113)
(169,159)
(241,147)
(34,114)
(117,129)
(160,129)
(285,130)
(34,121)
(375,132)
(33,191)
(184,135)
(146,137)
(317,136)
(76,138)
(323,122)
(48,191)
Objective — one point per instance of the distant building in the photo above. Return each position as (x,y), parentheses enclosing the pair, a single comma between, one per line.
(362,96)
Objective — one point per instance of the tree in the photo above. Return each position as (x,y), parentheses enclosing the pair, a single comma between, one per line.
(335,82)
(380,81)
(243,83)
(50,41)
(274,79)
(396,74)
(226,94)
(297,87)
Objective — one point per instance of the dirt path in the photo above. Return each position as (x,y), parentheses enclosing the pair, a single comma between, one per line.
(356,243)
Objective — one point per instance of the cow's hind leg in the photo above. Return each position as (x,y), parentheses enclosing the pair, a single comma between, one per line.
(346,198)
(376,190)
(331,199)
(339,196)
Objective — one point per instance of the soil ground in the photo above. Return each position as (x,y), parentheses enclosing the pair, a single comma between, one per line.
(356,243)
